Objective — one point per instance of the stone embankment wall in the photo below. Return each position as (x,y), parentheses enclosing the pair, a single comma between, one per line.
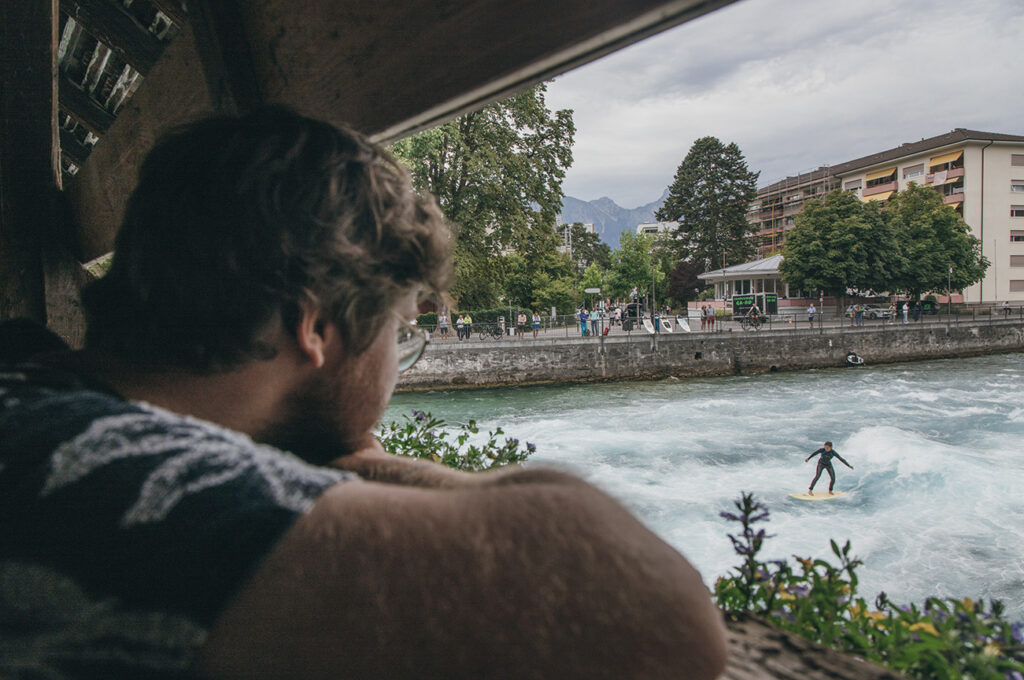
(509,362)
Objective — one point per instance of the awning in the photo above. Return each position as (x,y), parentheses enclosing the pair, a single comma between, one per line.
(956,205)
(878,197)
(950,180)
(946,158)
(879,173)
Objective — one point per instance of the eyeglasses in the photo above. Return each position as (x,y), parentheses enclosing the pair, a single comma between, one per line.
(411,343)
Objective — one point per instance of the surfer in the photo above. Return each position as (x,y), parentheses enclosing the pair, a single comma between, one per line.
(825,463)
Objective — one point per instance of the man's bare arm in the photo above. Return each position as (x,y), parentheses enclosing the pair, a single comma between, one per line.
(534,575)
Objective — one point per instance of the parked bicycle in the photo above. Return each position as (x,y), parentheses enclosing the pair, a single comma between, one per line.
(490,331)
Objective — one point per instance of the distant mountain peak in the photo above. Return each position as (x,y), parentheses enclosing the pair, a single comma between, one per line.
(608,217)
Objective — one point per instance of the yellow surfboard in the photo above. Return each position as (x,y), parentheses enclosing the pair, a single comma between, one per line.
(818,496)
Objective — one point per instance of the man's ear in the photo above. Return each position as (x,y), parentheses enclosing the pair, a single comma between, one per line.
(311,335)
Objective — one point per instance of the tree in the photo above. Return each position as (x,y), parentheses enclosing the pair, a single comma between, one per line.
(709,197)
(497,173)
(683,281)
(933,238)
(633,264)
(587,248)
(838,244)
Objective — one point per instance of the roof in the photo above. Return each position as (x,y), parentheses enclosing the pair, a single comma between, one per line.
(798,180)
(959,135)
(767,265)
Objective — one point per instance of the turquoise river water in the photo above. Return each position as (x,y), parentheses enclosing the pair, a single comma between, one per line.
(934,505)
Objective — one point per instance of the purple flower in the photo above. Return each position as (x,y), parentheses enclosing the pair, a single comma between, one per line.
(419,415)
(512,441)
(1014,675)
(1017,630)
(532,448)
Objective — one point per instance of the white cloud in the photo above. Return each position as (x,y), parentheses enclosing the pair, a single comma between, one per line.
(796,84)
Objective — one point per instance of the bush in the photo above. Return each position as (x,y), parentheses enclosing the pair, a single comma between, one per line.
(945,638)
(421,435)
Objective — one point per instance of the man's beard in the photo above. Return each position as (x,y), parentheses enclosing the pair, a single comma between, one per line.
(312,427)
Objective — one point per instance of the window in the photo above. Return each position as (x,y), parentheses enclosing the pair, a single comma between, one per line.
(852,185)
(913,171)
(1017,186)
(1017,260)
(1016,286)
(1017,211)
(1017,236)
(1017,159)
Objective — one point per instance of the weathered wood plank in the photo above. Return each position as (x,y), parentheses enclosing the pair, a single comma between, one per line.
(29,153)
(110,24)
(173,10)
(83,108)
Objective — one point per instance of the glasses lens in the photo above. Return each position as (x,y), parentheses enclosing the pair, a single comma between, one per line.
(411,341)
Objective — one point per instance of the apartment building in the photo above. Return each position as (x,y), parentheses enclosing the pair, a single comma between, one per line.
(980,175)
(776,206)
(655,228)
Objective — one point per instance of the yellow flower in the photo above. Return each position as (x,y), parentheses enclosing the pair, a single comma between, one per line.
(437,458)
(926,626)
(806,561)
(785,595)
(877,616)
(968,604)
(856,610)
(991,649)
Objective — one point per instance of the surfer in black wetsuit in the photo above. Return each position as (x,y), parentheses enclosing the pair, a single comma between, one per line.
(825,463)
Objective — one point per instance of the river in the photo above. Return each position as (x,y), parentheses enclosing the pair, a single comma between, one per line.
(934,505)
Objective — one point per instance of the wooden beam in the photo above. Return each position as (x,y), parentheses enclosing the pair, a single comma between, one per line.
(390,69)
(73,149)
(224,51)
(173,10)
(83,108)
(29,155)
(109,23)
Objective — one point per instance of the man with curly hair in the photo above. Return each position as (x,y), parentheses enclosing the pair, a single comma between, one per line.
(199,491)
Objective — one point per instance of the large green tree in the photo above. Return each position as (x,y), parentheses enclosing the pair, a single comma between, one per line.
(587,248)
(841,243)
(634,265)
(709,197)
(932,238)
(497,173)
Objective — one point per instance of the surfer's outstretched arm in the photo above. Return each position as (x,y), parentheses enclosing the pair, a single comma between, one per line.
(814,454)
(843,460)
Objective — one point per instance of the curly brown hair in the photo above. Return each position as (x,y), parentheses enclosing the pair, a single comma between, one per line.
(237,222)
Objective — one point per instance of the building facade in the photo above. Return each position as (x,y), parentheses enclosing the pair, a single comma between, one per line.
(773,211)
(979,174)
(655,228)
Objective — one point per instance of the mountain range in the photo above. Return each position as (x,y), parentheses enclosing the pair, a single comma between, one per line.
(608,217)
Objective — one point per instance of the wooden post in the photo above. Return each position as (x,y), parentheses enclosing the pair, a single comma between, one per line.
(29,152)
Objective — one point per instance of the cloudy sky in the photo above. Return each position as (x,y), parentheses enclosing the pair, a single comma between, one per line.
(796,84)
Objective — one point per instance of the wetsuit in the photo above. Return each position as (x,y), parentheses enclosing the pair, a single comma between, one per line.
(825,463)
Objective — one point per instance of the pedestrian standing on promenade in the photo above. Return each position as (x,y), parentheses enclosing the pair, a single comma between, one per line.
(442,326)
(917,311)
(892,312)
(703,318)
(460,327)
(521,325)
(536,324)
(906,311)
(1006,309)
(711,318)
(811,311)
(583,321)
(469,326)
(858,312)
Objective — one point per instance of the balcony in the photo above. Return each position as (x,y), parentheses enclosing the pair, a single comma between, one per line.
(953,198)
(879,189)
(950,174)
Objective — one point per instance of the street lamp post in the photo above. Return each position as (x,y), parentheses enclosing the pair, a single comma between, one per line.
(949,301)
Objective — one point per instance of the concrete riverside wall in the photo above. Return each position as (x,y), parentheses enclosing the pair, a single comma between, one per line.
(642,356)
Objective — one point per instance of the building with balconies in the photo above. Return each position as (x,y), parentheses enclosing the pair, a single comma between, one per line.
(980,175)
(773,212)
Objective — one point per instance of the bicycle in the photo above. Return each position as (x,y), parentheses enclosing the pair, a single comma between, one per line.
(748,322)
(490,332)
